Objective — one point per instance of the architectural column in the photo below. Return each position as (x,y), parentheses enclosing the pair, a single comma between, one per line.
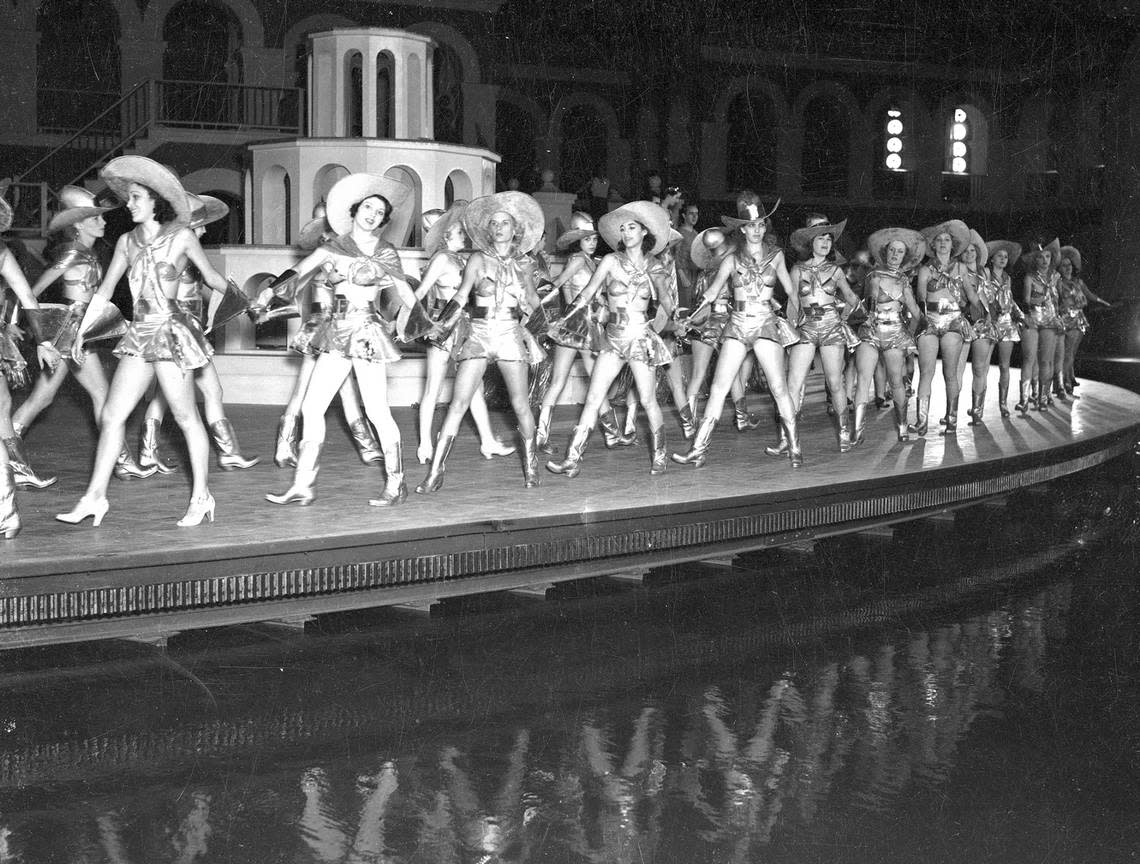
(789,159)
(368,93)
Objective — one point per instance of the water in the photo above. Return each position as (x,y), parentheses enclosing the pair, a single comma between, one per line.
(963,692)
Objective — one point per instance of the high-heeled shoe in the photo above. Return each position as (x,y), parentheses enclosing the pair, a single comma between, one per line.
(199,509)
(94,507)
(496,448)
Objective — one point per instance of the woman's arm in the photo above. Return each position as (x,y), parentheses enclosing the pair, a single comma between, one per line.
(46,279)
(845,289)
(910,303)
(793,307)
(14,276)
(192,249)
(577,262)
(923,281)
(595,283)
(1027,289)
(1089,295)
(437,266)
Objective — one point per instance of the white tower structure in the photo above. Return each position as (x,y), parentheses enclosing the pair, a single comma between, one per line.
(370,108)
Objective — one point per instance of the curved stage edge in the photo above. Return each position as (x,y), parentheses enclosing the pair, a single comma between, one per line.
(140,576)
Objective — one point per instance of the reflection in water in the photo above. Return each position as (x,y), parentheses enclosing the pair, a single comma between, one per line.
(717,763)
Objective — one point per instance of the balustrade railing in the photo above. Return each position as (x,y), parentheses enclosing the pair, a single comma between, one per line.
(216,105)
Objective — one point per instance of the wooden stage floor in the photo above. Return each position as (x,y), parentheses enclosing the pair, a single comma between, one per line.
(140,574)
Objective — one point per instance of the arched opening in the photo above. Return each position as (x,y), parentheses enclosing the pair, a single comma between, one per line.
(202,55)
(514,138)
(965,150)
(231,229)
(276,205)
(75,85)
(457,188)
(584,150)
(447,90)
(325,179)
(415,97)
(354,95)
(751,143)
(826,147)
(894,150)
(405,228)
(385,95)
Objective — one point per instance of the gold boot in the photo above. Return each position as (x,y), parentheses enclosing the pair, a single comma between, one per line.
(395,489)
(303,491)
(365,441)
(22,472)
(285,454)
(657,438)
(229,455)
(149,455)
(434,479)
(570,465)
(698,453)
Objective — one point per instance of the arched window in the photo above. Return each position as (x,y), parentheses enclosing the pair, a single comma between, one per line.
(78,64)
(751,143)
(826,147)
(515,141)
(447,90)
(958,140)
(893,141)
(203,53)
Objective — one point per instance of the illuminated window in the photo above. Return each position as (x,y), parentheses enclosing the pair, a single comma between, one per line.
(958,143)
(893,159)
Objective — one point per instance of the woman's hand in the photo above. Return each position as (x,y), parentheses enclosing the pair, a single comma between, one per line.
(48,356)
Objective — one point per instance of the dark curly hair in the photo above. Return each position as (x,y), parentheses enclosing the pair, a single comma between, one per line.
(387,208)
(164,211)
(647,242)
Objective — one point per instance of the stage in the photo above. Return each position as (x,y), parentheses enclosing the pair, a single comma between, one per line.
(139,575)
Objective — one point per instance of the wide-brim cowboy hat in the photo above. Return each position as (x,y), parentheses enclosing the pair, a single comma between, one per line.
(1029,257)
(206,209)
(351,189)
(122,171)
(751,212)
(959,236)
(654,217)
(581,226)
(530,222)
(978,243)
(701,253)
(913,240)
(802,238)
(436,235)
(1073,254)
(76,204)
(312,234)
(1011,249)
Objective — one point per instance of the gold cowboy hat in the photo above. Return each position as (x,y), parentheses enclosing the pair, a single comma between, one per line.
(705,246)
(351,189)
(1029,258)
(76,204)
(1073,254)
(802,238)
(312,234)
(748,211)
(581,227)
(1011,249)
(530,223)
(959,236)
(206,209)
(654,217)
(913,240)
(122,171)
(978,243)
(437,232)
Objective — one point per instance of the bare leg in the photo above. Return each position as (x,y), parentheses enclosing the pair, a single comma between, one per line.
(1046,347)
(800,358)
(178,387)
(47,385)
(436,363)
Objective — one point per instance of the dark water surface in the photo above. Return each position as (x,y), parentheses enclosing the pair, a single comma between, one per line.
(965,691)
